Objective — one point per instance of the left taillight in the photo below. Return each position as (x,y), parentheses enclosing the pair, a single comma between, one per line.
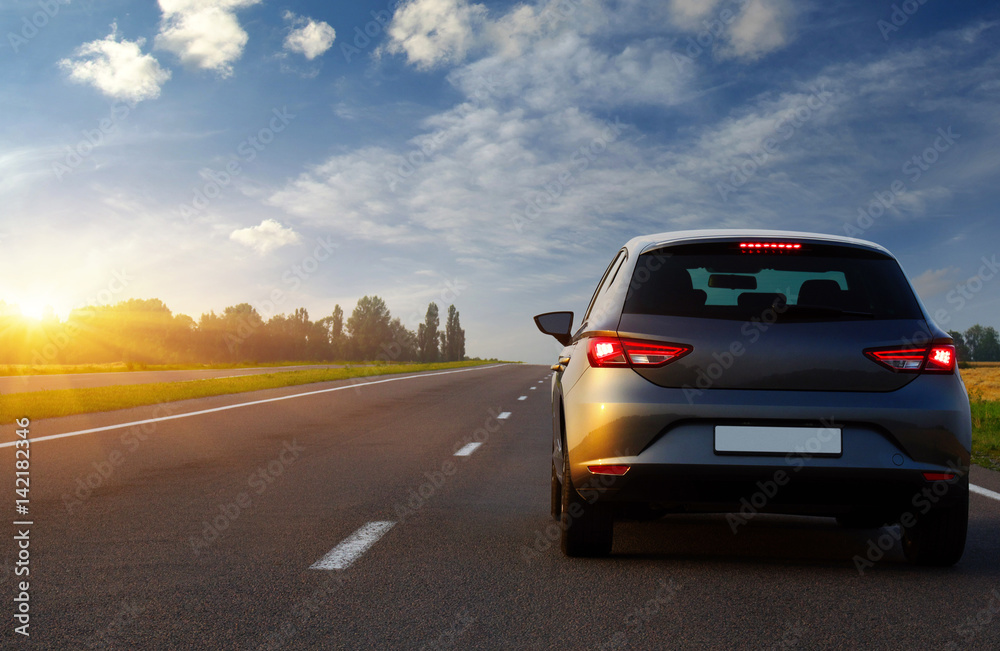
(606,352)
(936,358)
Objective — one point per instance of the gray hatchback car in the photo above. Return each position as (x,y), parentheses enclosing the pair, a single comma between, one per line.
(758,371)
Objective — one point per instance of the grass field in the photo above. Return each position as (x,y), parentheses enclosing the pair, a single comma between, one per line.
(982,380)
(120,367)
(65,402)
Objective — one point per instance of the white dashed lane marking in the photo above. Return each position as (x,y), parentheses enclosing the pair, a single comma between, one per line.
(523,398)
(467,449)
(351,548)
(503,415)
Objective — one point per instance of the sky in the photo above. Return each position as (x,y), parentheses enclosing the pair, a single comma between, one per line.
(492,155)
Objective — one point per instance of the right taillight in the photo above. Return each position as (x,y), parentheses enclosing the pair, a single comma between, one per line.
(612,351)
(936,358)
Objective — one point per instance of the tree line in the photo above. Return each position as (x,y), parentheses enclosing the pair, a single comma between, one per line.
(145,331)
(977,344)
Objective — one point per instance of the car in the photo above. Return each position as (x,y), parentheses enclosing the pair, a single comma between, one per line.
(755,371)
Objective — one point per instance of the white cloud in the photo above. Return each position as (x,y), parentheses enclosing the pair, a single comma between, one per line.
(205,34)
(117,68)
(434,32)
(763,27)
(690,14)
(935,281)
(308,37)
(266,236)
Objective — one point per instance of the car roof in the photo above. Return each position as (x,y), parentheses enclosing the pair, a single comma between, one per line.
(644,243)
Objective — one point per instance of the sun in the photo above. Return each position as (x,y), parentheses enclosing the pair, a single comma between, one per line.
(36,309)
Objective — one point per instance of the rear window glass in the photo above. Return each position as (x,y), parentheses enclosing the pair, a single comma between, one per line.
(814,283)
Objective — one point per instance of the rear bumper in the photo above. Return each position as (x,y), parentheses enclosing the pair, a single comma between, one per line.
(889,440)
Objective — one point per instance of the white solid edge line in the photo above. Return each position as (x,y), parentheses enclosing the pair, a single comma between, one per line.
(467,449)
(351,548)
(985,492)
(246,404)
(503,415)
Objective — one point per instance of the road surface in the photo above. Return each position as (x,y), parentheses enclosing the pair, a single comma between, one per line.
(201,532)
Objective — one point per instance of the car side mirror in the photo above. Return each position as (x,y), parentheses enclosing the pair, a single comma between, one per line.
(557,324)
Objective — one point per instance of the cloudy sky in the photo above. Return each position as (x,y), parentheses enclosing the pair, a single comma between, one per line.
(492,155)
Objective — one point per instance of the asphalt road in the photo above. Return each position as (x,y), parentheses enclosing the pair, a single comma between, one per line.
(199,532)
(22,383)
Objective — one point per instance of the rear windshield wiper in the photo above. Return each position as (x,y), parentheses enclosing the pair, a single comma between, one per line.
(823,309)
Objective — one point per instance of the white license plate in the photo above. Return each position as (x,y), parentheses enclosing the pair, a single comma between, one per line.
(777,440)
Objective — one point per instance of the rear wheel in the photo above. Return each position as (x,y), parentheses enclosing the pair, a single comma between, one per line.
(556,495)
(938,536)
(587,529)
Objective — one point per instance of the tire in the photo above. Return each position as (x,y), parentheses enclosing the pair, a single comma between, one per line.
(556,495)
(587,529)
(937,538)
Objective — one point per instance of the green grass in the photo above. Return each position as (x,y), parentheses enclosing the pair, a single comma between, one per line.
(120,367)
(986,433)
(65,402)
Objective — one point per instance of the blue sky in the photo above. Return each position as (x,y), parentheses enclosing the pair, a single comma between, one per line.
(492,155)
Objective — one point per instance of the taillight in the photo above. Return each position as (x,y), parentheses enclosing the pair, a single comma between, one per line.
(609,469)
(770,246)
(939,476)
(606,351)
(938,358)
(612,351)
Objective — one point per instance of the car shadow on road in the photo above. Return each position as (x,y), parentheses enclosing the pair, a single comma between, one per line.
(790,540)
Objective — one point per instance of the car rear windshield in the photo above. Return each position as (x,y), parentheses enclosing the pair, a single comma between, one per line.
(809,283)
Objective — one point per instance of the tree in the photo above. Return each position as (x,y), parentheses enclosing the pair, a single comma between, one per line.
(454,337)
(369,326)
(334,326)
(989,346)
(427,335)
(961,352)
(973,337)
